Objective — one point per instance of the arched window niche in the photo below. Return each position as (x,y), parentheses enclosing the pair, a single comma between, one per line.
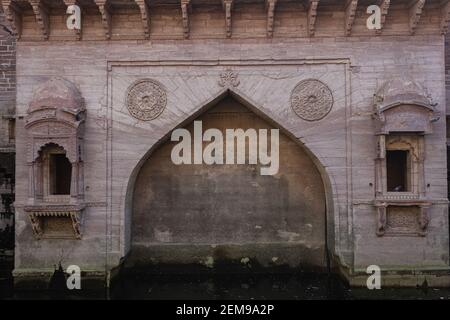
(54,127)
(404,115)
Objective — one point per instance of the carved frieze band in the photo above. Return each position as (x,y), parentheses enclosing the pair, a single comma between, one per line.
(13,10)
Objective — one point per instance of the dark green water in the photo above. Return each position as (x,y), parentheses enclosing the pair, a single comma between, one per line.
(293,286)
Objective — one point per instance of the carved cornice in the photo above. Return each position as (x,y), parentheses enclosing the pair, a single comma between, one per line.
(41,13)
(14,10)
(350,12)
(270,6)
(105,10)
(312,15)
(145,16)
(415,12)
(228,7)
(185,10)
(14,16)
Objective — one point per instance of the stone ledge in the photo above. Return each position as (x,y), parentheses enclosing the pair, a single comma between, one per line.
(39,279)
(437,277)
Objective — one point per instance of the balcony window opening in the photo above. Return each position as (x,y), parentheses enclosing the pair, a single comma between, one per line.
(398,170)
(60,174)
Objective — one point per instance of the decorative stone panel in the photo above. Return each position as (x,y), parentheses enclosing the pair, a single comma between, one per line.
(402,218)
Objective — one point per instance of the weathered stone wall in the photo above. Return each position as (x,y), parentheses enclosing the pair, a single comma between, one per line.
(342,144)
(7,82)
(7,111)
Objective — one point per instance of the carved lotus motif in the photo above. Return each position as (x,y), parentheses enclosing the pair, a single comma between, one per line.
(146,99)
(311,100)
(229,78)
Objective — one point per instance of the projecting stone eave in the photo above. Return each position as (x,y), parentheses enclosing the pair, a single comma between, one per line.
(37,20)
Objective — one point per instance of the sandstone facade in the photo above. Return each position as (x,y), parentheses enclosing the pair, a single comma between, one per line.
(205,52)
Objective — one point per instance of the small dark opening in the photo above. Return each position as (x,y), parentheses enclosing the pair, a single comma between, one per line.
(12,130)
(448,171)
(397,170)
(60,174)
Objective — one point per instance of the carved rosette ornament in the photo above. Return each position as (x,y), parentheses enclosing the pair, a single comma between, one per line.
(311,100)
(146,99)
(229,79)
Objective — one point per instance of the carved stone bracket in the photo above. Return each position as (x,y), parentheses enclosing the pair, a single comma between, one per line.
(185,10)
(228,7)
(350,12)
(77,32)
(13,14)
(270,7)
(415,12)
(312,15)
(55,221)
(105,10)
(145,16)
(381,221)
(42,17)
(445,16)
(384,6)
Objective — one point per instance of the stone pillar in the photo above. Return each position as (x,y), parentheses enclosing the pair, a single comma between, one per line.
(31,181)
(74,181)
(421,167)
(80,179)
(39,180)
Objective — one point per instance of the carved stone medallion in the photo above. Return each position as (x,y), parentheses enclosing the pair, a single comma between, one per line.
(146,99)
(311,100)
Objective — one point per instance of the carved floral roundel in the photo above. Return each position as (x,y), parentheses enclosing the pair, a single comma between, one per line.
(311,100)
(146,99)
